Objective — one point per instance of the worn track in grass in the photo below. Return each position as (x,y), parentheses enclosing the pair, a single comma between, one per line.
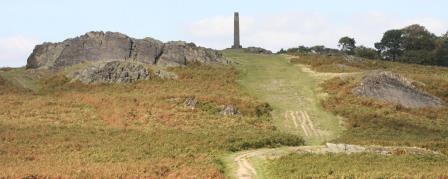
(295,97)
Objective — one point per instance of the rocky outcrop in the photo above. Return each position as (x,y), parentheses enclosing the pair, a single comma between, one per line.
(179,53)
(111,46)
(257,50)
(112,72)
(395,88)
(166,75)
(229,110)
(191,102)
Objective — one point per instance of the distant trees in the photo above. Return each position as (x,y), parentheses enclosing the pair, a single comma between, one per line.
(303,49)
(282,51)
(390,46)
(347,44)
(366,52)
(414,44)
(418,44)
(320,49)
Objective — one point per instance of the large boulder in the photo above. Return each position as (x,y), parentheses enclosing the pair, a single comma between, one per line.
(112,46)
(391,87)
(178,53)
(112,72)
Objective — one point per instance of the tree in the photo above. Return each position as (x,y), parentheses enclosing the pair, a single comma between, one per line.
(366,52)
(303,49)
(292,50)
(347,44)
(416,37)
(282,51)
(419,45)
(390,46)
(318,49)
(441,50)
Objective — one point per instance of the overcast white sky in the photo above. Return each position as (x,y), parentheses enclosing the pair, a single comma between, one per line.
(272,24)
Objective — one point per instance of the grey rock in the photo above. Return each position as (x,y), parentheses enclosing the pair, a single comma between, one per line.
(146,50)
(257,50)
(112,72)
(344,148)
(166,75)
(94,46)
(190,102)
(391,87)
(179,53)
(112,46)
(230,110)
(350,149)
(44,56)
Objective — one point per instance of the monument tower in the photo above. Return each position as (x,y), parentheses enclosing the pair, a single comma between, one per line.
(236,32)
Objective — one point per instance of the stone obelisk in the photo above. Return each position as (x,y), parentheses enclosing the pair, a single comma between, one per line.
(236,32)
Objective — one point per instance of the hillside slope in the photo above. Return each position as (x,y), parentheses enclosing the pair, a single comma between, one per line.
(294,94)
(142,129)
(295,88)
(295,97)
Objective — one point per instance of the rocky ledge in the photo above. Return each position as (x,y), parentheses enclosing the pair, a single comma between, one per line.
(113,46)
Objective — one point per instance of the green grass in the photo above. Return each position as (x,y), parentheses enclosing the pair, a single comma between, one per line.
(362,165)
(371,122)
(272,78)
(285,87)
(375,122)
(139,129)
(142,129)
(22,78)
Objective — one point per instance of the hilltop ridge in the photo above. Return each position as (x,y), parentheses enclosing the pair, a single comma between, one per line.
(114,46)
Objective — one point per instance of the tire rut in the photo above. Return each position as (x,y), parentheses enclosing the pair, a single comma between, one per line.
(302,118)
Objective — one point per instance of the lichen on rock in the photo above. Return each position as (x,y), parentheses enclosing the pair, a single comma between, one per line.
(112,72)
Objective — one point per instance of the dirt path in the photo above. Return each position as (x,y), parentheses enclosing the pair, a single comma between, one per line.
(245,169)
(293,91)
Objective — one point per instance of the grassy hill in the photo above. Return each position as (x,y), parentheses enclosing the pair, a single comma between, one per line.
(374,122)
(141,129)
(371,122)
(50,127)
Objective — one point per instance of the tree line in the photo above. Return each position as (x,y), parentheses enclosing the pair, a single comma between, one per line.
(412,44)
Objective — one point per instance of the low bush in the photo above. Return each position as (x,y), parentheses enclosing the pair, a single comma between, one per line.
(277,139)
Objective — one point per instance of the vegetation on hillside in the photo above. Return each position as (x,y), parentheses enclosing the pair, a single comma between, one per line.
(141,129)
(362,165)
(412,44)
(289,91)
(371,122)
(381,123)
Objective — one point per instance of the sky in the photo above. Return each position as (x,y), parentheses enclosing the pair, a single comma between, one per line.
(271,24)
